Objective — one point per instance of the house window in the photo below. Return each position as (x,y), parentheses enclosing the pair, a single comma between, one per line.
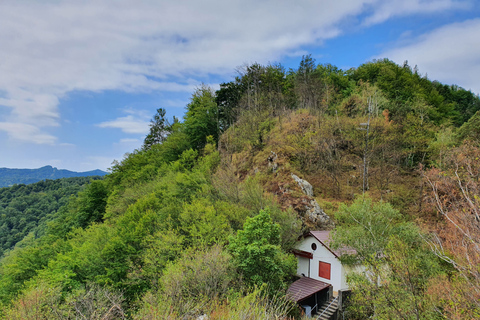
(324,270)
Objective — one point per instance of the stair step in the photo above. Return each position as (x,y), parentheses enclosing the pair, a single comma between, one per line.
(327,310)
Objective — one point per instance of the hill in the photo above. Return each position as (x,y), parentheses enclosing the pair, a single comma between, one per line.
(202,219)
(9,177)
(26,209)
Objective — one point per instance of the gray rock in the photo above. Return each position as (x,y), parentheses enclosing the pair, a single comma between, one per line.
(304,185)
(316,215)
(272,161)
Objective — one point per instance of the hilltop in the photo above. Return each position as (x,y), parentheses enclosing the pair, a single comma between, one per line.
(9,177)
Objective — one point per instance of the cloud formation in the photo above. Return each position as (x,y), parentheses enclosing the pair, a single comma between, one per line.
(449,54)
(128,124)
(394,8)
(51,48)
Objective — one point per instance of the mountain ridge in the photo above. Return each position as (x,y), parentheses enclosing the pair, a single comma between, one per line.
(11,176)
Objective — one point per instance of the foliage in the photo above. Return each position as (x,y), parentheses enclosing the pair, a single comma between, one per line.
(10,177)
(367,227)
(28,208)
(394,287)
(45,302)
(471,129)
(455,193)
(201,118)
(257,254)
(256,304)
(159,129)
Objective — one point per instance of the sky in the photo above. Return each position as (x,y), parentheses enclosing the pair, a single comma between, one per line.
(81,79)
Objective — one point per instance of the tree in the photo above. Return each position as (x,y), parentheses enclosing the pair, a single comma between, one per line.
(471,129)
(257,254)
(201,118)
(397,264)
(455,193)
(160,128)
(367,227)
(395,287)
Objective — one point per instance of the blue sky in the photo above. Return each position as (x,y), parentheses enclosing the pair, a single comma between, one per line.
(80,80)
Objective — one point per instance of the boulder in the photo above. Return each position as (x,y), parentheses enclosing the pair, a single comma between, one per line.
(304,185)
(317,216)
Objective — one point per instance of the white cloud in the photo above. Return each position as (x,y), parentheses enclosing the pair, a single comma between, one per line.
(385,10)
(51,48)
(450,54)
(128,124)
(66,144)
(129,141)
(27,133)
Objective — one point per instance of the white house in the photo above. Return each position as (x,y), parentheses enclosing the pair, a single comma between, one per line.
(318,261)
(321,273)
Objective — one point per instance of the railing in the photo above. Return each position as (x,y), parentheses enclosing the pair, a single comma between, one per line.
(327,308)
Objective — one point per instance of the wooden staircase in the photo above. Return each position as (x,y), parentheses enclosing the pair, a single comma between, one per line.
(328,310)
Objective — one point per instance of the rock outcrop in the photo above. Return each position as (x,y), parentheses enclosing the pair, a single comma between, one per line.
(272,162)
(316,215)
(313,214)
(304,185)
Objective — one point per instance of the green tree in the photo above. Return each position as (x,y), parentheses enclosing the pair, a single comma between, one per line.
(257,254)
(470,130)
(160,128)
(395,287)
(201,118)
(367,227)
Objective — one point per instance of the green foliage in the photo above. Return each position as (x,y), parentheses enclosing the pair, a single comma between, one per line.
(470,130)
(257,254)
(46,302)
(28,208)
(159,129)
(201,118)
(89,207)
(395,287)
(253,305)
(402,85)
(197,275)
(10,177)
(202,224)
(367,227)
(160,249)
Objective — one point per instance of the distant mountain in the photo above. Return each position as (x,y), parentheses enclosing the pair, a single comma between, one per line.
(9,177)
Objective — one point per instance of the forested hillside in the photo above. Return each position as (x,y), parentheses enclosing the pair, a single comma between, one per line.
(201,220)
(27,208)
(9,177)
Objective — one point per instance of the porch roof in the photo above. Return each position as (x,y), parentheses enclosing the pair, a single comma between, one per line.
(304,288)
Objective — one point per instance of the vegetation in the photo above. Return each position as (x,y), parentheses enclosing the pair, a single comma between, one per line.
(201,219)
(10,177)
(26,209)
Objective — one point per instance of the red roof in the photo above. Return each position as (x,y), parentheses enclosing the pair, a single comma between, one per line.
(304,288)
(324,238)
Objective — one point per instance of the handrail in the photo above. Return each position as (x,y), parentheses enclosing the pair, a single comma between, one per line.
(327,307)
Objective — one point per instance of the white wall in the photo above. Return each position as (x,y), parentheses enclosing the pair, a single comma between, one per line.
(303,266)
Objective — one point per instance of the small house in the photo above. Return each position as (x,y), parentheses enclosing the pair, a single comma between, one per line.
(322,275)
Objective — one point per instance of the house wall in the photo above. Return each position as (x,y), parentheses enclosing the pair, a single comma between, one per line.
(337,271)
(303,266)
